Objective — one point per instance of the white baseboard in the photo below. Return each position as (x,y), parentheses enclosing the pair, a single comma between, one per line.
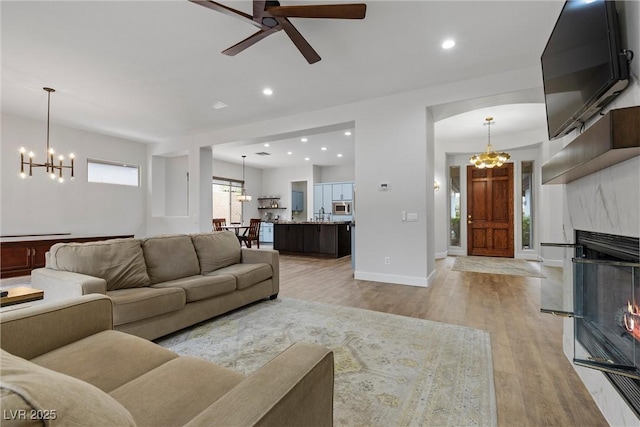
(441,255)
(457,252)
(393,278)
(432,277)
(553,263)
(529,256)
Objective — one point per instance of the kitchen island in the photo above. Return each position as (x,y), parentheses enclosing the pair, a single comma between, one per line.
(326,239)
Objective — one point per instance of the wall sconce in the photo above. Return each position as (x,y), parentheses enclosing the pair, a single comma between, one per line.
(436,185)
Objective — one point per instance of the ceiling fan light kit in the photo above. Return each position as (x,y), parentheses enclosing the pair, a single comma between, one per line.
(270,17)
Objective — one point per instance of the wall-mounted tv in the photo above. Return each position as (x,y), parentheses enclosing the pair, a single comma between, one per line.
(584,66)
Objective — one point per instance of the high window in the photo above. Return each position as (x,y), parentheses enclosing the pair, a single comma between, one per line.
(105,172)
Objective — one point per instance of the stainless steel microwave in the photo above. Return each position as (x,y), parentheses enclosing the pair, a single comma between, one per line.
(342,208)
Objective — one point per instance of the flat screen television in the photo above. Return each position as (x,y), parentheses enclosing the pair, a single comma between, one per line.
(584,66)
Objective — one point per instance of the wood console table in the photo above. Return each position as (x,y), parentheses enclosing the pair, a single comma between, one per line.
(21,295)
(20,255)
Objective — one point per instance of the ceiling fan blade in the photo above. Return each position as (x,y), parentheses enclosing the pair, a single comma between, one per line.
(337,11)
(258,10)
(303,46)
(249,41)
(227,11)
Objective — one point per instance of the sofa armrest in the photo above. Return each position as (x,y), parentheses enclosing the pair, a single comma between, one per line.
(268,256)
(293,389)
(32,331)
(58,285)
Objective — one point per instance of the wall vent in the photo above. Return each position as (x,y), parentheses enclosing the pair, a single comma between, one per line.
(263,153)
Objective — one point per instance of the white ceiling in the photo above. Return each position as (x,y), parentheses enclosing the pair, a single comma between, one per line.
(150,70)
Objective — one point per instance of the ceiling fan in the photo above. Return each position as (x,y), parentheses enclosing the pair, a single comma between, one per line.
(270,18)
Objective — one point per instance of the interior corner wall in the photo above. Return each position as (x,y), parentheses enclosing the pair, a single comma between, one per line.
(177,186)
(430,193)
(39,205)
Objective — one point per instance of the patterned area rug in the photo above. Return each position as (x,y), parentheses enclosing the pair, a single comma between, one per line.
(491,265)
(389,370)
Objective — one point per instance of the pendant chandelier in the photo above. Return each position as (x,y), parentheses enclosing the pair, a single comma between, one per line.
(54,170)
(489,159)
(243,197)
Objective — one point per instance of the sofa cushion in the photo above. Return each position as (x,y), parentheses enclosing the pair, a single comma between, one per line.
(202,287)
(130,305)
(48,395)
(216,250)
(120,262)
(246,274)
(170,257)
(107,359)
(191,383)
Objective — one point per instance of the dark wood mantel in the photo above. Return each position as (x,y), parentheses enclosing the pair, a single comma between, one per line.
(611,140)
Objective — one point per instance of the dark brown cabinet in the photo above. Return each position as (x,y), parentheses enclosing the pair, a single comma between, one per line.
(331,240)
(19,257)
(288,238)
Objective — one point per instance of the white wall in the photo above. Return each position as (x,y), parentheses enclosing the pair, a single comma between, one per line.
(342,173)
(176,201)
(38,205)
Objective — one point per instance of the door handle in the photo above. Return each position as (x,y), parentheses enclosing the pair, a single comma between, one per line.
(469,222)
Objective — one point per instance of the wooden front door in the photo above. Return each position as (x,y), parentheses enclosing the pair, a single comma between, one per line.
(490,211)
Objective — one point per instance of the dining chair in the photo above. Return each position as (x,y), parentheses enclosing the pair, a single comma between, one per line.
(218,223)
(252,233)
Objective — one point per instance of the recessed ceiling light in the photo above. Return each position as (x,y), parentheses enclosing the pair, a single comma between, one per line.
(266,144)
(348,133)
(289,152)
(307,159)
(339,154)
(218,105)
(304,140)
(324,148)
(448,44)
(268,91)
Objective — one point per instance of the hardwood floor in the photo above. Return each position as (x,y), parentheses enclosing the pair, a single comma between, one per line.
(535,383)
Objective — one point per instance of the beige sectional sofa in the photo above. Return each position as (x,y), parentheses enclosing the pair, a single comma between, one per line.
(62,361)
(161,284)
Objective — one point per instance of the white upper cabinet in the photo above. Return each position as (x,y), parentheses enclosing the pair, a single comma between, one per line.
(342,191)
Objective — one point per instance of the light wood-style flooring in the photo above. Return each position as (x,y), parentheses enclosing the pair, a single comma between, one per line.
(535,383)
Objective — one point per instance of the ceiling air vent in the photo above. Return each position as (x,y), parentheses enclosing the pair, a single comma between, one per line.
(263,153)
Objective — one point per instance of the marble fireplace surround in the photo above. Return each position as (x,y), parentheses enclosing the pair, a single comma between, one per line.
(607,201)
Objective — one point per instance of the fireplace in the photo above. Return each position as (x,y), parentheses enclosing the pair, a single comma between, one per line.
(606,310)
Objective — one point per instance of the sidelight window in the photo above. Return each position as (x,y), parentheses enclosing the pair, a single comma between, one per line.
(527,205)
(454,206)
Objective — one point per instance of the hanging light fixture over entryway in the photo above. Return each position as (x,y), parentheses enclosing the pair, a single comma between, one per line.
(54,171)
(243,197)
(490,158)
